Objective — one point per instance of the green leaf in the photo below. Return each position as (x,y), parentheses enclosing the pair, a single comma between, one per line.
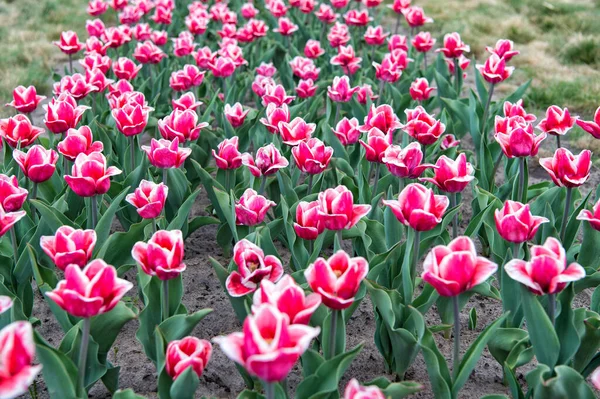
(238,303)
(541,331)
(58,370)
(184,387)
(51,216)
(472,319)
(105,222)
(106,327)
(181,325)
(589,255)
(565,383)
(180,219)
(127,394)
(565,326)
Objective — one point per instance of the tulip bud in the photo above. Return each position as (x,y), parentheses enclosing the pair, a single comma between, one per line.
(149,199)
(69,246)
(162,256)
(185,353)
(38,164)
(252,208)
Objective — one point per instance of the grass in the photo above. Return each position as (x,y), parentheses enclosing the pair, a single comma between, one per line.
(27,29)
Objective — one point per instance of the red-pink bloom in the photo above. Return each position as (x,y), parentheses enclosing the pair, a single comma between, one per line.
(547,271)
(504,49)
(196,25)
(593,217)
(76,85)
(365,92)
(235,114)
(69,246)
(516,137)
(25,99)
(313,49)
(375,36)
(495,70)
(277,8)
(557,121)
(275,115)
(399,6)
(515,223)
(159,37)
(422,126)
(18,131)
(90,176)
(288,297)
(276,95)
(205,57)
(91,291)
(119,92)
(96,61)
(148,53)
(415,17)
(452,176)
(456,268)
(185,353)
(312,156)
(357,18)
(347,131)
(12,196)
(337,279)
(326,14)
(266,69)
(166,153)
(308,224)
(124,68)
(418,207)
(338,34)
(38,164)
(132,117)
(115,37)
(118,5)
(396,42)
(222,67)
(162,256)
(269,345)
(304,68)
(258,28)
(142,32)
(252,268)
(306,88)
(337,209)
(405,162)
(566,169)
(423,42)
(347,59)
(339,3)
(162,15)
(420,90)
(248,10)
(400,58)
(183,44)
(96,7)
(8,219)
(383,118)
(285,27)
(297,131)
(235,53)
(69,43)
(130,15)
(179,81)
(148,199)
(454,47)
(463,63)
(79,141)
(181,124)
(252,208)
(449,141)
(260,85)
(354,390)
(371,3)
(17,352)
(340,90)
(592,127)
(517,109)
(186,101)
(376,145)
(228,157)
(96,78)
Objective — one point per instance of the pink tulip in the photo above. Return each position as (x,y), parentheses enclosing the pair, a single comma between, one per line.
(235,114)
(162,15)
(566,169)
(304,68)
(252,208)
(142,32)
(423,42)
(8,219)
(397,42)
(265,69)
(383,118)
(38,164)
(405,162)
(516,137)
(456,268)
(183,45)
(148,53)
(593,217)
(69,246)
(312,156)
(288,297)
(313,49)
(557,121)
(515,223)
(365,92)
(25,99)
(96,78)
(375,36)
(269,345)
(592,127)
(296,131)
(90,175)
(449,141)
(337,279)
(131,118)
(18,131)
(248,10)
(228,157)
(182,125)
(79,141)
(96,7)
(452,176)
(124,68)
(75,85)
(547,271)
(347,131)
(420,90)
(357,18)
(422,126)
(415,17)
(340,90)
(6,304)
(503,49)
(326,14)
(69,43)
(495,70)
(148,199)
(115,37)
(285,27)
(222,67)
(337,209)
(306,88)
(418,207)
(388,71)
(159,37)
(12,196)
(252,268)
(95,27)
(162,256)
(268,161)
(454,47)
(166,153)
(186,101)
(517,109)
(276,95)
(308,224)
(17,351)
(376,145)
(338,34)
(90,291)
(185,353)
(63,113)
(347,60)
(356,391)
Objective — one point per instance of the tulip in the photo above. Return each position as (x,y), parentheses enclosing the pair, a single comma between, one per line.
(25,99)
(288,297)
(338,34)
(516,137)
(423,42)
(356,391)
(18,131)
(124,68)
(337,209)
(308,225)
(557,122)
(12,196)
(347,131)
(162,256)
(235,114)
(182,125)
(222,67)
(8,220)
(17,351)
(517,109)
(162,15)
(515,223)
(252,268)
(306,88)
(69,246)
(268,161)
(95,27)
(166,154)
(63,113)
(252,208)
(77,86)
(397,42)
(405,163)
(142,32)
(149,199)
(275,94)
(593,217)
(248,10)
(115,37)
(313,49)
(269,345)
(449,141)
(69,43)
(186,101)
(96,7)
(422,126)
(312,156)
(503,49)
(266,69)
(38,164)
(90,176)
(285,27)
(495,70)
(566,169)
(415,17)
(159,37)
(383,118)
(185,353)
(131,119)
(452,176)
(387,71)
(340,90)
(6,303)
(228,157)
(376,145)
(375,36)
(148,53)
(79,141)
(365,92)
(357,18)
(420,90)
(304,68)
(183,44)
(418,207)
(296,131)
(454,47)
(592,127)
(96,78)
(347,59)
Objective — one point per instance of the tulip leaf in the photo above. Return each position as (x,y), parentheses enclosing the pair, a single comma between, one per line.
(340,334)
(51,216)
(566,327)
(71,344)
(149,317)
(59,371)
(127,394)
(178,326)
(511,295)
(238,303)
(184,387)
(106,327)
(179,221)
(116,250)
(574,223)
(437,369)
(178,187)
(563,383)
(589,256)
(546,345)
(105,222)
(511,347)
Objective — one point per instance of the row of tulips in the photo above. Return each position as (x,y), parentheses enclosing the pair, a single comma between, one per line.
(337,163)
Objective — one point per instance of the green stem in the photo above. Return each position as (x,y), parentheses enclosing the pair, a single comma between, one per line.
(552,307)
(381,85)
(310,183)
(263,184)
(457,72)
(455,217)
(486,111)
(557,141)
(34,196)
(311,247)
(13,239)
(83,349)
(563,225)
(397,23)
(522,163)
(332,333)
(269,390)
(415,254)
(337,113)
(376,183)
(94,202)
(132,153)
(338,240)
(165,177)
(165,299)
(456,353)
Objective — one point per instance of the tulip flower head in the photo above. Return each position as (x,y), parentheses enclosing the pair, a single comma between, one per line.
(312,156)
(420,90)
(347,131)
(356,391)
(337,210)
(405,162)
(454,47)
(79,141)
(18,131)
(38,164)
(25,99)
(593,216)
(557,121)
(6,303)
(452,176)
(12,196)
(162,256)
(185,353)
(592,127)
(69,246)
(90,175)
(503,49)
(166,153)
(566,169)
(267,161)
(149,199)
(17,351)
(422,126)
(495,70)
(252,208)
(9,219)
(418,207)
(63,113)
(228,155)
(515,223)
(516,137)
(69,43)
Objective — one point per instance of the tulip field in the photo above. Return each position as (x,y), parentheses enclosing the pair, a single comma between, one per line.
(293,199)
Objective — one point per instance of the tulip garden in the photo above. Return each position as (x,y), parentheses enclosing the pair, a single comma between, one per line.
(328,176)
